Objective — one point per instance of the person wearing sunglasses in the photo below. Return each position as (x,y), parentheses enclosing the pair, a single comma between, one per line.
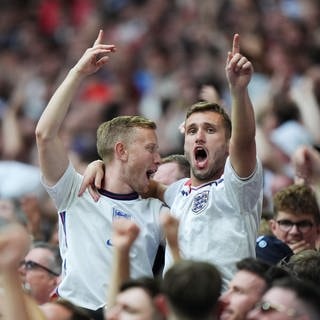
(296,219)
(288,299)
(40,271)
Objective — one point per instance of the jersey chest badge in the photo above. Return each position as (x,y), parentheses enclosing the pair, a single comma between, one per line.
(200,202)
(116,214)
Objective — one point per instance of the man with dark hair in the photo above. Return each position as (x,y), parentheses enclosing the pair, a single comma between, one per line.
(136,297)
(288,299)
(191,290)
(219,207)
(246,288)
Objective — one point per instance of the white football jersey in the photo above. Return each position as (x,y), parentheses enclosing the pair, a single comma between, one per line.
(85,229)
(219,220)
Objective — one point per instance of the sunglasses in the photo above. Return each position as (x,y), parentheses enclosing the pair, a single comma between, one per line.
(31,265)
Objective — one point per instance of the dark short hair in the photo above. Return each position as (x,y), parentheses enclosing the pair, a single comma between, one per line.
(150,285)
(204,106)
(55,263)
(192,288)
(253,265)
(262,269)
(306,292)
(181,160)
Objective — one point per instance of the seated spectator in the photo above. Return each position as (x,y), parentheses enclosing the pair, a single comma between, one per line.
(172,168)
(296,219)
(40,271)
(136,299)
(288,299)
(191,290)
(251,281)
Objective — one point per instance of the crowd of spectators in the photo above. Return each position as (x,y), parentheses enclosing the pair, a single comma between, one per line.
(169,55)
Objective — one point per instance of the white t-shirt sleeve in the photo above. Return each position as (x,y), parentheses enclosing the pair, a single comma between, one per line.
(66,189)
(245,192)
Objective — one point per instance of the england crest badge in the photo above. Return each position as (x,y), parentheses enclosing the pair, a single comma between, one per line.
(200,202)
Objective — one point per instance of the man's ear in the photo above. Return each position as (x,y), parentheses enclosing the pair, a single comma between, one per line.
(161,304)
(272,225)
(121,152)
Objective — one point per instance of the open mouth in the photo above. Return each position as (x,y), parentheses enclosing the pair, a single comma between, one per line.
(150,173)
(201,157)
(200,154)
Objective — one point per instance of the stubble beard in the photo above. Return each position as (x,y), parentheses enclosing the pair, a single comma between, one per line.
(207,175)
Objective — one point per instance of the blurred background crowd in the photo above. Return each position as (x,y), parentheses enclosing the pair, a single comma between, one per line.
(170,53)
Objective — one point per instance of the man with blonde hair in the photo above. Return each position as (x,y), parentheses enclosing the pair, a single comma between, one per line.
(128,145)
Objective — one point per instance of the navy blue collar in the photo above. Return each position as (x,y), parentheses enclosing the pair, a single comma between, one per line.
(119,196)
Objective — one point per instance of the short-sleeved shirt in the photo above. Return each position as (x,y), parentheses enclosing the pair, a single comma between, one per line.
(85,230)
(219,220)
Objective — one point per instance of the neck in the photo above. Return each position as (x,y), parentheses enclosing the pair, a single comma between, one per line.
(114,182)
(197,182)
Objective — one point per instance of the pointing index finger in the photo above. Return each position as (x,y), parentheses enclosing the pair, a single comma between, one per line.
(236,44)
(99,39)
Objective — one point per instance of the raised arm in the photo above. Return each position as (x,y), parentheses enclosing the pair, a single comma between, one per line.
(53,157)
(14,243)
(239,71)
(125,232)
(170,226)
